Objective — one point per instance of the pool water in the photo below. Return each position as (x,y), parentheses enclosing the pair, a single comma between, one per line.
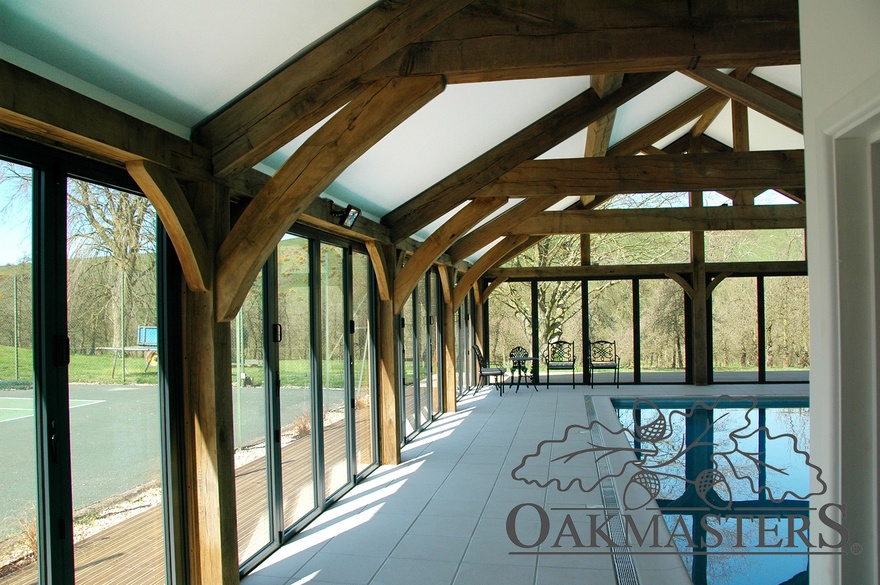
(734,483)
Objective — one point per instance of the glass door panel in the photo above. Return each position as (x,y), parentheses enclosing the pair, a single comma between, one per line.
(787,328)
(559,318)
(408,369)
(249,402)
(424,373)
(297,466)
(361,355)
(434,342)
(114,393)
(661,331)
(18,531)
(333,370)
(611,319)
(735,330)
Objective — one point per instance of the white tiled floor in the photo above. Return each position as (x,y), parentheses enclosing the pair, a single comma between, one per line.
(440,516)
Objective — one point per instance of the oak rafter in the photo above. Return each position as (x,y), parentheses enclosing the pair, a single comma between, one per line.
(350,133)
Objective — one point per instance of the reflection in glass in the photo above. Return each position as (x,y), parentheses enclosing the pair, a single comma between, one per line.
(114,394)
(17,423)
(294,352)
(363,376)
(249,420)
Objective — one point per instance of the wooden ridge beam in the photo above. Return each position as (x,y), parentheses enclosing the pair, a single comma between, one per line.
(485,262)
(653,174)
(491,41)
(437,243)
(173,209)
(492,230)
(665,219)
(357,127)
(747,94)
(316,84)
(528,143)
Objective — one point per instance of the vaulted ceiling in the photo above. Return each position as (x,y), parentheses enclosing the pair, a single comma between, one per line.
(446,121)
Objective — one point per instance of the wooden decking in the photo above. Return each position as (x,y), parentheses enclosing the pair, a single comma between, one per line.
(132,552)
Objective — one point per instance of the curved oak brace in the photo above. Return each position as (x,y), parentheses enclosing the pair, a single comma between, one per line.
(486,261)
(322,158)
(384,278)
(492,286)
(682,282)
(447,282)
(437,243)
(164,192)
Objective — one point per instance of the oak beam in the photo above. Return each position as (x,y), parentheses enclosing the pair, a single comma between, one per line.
(528,143)
(653,174)
(382,271)
(491,41)
(316,84)
(747,94)
(490,288)
(47,111)
(668,123)
(518,250)
(388,370)
(492,230)
(351,132)
(664,219)
(598,271)
(437,243)
(208,422)
(485,262)
(447,339)
(173,209)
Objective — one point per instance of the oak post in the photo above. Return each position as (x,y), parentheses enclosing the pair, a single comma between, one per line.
(448,342)
(211,518)
(699,298)
(389,406)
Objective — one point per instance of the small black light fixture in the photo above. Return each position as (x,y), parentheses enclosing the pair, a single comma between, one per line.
(347,216)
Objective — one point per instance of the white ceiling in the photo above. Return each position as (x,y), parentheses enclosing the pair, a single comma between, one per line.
(174,64)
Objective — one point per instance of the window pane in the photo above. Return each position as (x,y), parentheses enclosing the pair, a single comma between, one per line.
(661,322)
(249,414)
(114,394)
(434,332)
(409,394)
(559,319)
(294,352)
(611,319)
(336,473)
(787,327)
(18,531)
(363,375)
(422,344)
(735,330)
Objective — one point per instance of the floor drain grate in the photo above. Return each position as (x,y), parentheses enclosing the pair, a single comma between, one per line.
(624,567)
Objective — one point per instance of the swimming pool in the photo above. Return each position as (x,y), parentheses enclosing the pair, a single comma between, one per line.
(732,478)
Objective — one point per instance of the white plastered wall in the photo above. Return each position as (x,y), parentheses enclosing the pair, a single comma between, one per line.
(840,53)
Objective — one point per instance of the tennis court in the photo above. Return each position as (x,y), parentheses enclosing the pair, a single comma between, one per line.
(16,407)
